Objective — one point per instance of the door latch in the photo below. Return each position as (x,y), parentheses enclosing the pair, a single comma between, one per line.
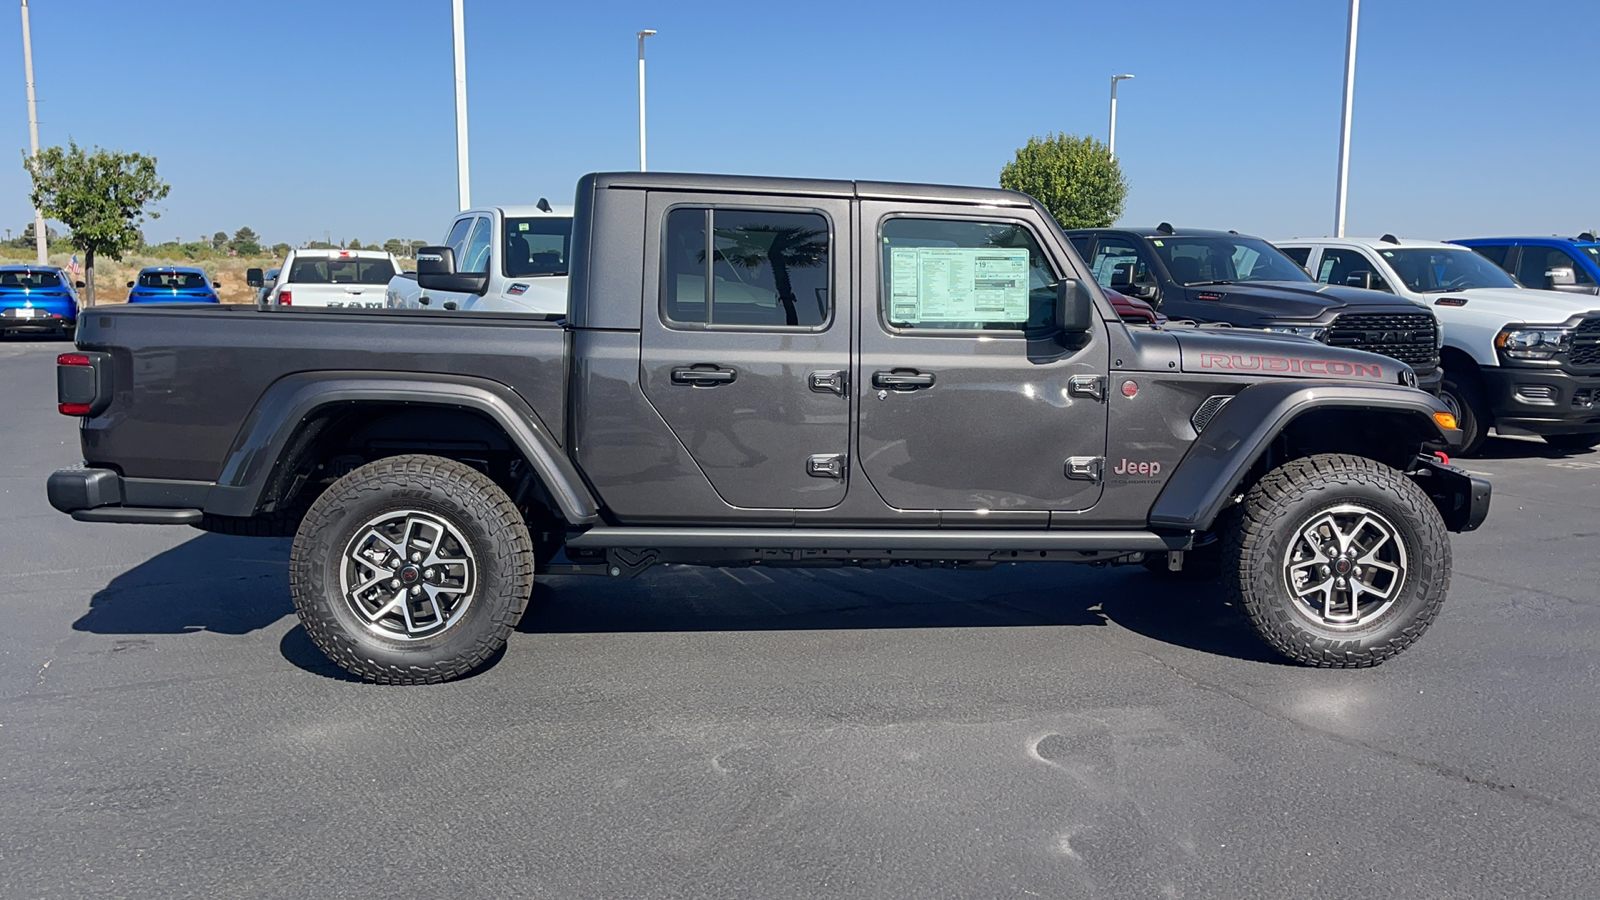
(1087,386)
(825,465)
(1085,468)
(828,382)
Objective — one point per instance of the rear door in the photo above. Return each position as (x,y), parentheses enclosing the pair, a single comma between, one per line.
(970,402)
(746,349)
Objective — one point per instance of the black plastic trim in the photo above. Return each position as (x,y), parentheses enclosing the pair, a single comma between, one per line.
(70,490)
(136,515)
(871,540)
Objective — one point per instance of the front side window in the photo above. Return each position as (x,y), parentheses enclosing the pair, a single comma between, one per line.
(457,238)
(965,274)
(1118,264)
(537,246)
(1495,253)
(1226,259)
(1436,270)
(1536,261)
(746,268)
(1344,266)
(1301,255)
(475,258)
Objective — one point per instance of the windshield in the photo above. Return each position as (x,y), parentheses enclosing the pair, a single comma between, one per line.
(348,270)
(1222,260)
(183,281)
(30,279)
(1436,270)
(537,246)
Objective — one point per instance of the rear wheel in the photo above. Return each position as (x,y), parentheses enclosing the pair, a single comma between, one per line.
(1461,395)
(1339,561)
(1573,442)
(411,570)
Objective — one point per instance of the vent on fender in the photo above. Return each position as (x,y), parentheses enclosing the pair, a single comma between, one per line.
(1208,410)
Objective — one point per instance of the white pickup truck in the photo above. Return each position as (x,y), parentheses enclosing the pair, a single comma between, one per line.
(334,278)
(522,248)
(1519,360)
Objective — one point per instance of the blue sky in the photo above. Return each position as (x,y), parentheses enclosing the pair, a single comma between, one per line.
(299,118)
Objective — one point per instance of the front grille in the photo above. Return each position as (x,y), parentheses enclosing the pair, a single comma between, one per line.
(1585,351)
(1411,338)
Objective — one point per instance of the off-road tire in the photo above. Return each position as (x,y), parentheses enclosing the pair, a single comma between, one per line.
(1464,398)
(492,530)
(1573,443)
(1291,498)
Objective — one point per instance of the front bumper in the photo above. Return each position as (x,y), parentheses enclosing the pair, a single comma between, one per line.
(1462,499)
(101,495)
(1542,401)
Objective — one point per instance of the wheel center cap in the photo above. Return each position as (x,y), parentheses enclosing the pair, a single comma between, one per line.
(410,575)
(1342,565)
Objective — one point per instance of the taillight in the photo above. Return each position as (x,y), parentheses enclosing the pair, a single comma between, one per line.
(73,361)
(73,409)
(285,299)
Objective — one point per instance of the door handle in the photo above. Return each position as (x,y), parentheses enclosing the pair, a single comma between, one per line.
(902,379)
(702,375)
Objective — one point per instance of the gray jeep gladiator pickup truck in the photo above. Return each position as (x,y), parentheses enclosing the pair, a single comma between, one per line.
(772,372)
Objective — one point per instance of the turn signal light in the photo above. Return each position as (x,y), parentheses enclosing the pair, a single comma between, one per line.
(73,409)
(1446,420)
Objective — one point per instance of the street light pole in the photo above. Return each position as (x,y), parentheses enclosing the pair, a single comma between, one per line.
(39,242)
(463,183)
(1344,127)
(1111,135)
(642,35)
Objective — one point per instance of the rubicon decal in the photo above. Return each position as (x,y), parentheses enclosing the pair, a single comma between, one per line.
(1235,362)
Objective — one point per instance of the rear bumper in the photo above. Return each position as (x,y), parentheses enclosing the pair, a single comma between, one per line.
(101,495)
(1542,401)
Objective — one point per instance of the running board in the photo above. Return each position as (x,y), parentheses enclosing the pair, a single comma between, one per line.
(872,540)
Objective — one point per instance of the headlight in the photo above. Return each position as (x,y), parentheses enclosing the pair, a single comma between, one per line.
(1533,343)
(1315,332)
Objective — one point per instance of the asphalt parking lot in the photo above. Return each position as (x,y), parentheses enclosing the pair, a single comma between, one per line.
(167,729)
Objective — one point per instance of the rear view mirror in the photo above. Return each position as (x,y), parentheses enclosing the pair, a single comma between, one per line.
(252,277)
(1074,308)
(1560,277)
(436,271)
(1360,278)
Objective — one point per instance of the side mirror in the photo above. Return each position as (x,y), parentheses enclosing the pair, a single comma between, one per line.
(1560,277)
(252,277)
(1145,292)
(436,271)
(424,300)
(1121,276)
(216,284)
(1074,308)
(1360,278)
(80,284)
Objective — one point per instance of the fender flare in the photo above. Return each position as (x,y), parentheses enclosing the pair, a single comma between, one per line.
(289,401)
(1242,431)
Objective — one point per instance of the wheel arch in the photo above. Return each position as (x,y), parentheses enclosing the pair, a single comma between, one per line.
(1270,423)
(298,413)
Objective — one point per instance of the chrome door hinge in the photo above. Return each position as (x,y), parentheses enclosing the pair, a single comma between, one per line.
(1085,468)
(1087,386)
(825,465)
(829,382)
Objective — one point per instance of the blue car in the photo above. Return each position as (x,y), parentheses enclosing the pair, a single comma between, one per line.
(37,299)
(172,284)
(1570,265)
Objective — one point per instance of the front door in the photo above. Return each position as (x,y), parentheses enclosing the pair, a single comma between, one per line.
(969,400)
(747,351)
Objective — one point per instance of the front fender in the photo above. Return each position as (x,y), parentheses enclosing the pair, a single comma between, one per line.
(278,415)
(1242,431)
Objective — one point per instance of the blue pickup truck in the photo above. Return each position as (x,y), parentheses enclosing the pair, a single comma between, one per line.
(172,284)
(37,299)
(1570,265)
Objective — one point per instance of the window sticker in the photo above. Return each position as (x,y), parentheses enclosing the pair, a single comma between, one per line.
(958,284)
(522,226)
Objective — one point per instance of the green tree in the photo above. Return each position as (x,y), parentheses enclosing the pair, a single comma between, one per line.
(281,249)
(100,194)
(25,242)
(246,242)
(219,240)
(353,245)
(1076,179)
(395,246)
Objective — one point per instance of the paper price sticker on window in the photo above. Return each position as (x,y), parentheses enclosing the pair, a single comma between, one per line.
(958,284)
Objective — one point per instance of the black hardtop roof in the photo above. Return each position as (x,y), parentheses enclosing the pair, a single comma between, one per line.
(1156,232)
(811,187)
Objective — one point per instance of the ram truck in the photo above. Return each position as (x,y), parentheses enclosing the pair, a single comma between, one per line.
(334,278)
(770,372)
(522,250)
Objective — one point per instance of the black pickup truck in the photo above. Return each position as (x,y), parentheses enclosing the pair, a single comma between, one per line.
(770,372)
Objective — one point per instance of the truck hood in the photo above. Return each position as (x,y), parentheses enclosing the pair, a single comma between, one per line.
(1224,351)
(1517,305)
(1264,302)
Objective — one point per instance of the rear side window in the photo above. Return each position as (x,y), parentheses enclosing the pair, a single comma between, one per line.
(537,246)
(746,268)
(964,274)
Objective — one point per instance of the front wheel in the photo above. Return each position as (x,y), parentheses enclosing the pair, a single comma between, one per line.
(411,570)
(1339,561)
(1573,443)
(1461,395)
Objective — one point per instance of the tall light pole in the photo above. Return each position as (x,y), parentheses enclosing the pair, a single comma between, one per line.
(33,133)
(1111,135)
(1344,127)
(463,183)
(642,35)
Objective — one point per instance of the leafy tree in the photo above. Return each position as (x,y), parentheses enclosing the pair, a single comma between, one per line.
(320,245)
(395,246)
(100,194)
(25,242)
(1076,178)
(281,249)
(353,245)
(219,240)
(246,242)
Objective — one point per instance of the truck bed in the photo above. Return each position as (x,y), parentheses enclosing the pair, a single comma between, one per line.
(185,378)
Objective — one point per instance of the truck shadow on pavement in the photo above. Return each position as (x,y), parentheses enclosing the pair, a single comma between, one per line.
(237,586)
